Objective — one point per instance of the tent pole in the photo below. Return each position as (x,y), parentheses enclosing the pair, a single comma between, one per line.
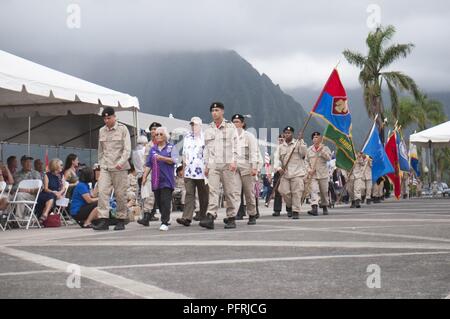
(136,125)
(429,163)
(90,140)
(29,134)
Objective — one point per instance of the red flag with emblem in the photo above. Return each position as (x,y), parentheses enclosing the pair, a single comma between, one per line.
(392,154)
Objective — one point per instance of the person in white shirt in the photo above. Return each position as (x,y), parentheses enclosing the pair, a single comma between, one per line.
(194,177)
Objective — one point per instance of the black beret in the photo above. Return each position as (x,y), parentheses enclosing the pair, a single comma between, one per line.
(107,111)
(237,116)
(154,124)
(315,134)
(288,128)
(216,104)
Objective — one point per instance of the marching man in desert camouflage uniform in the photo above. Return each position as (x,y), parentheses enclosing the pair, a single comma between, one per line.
(220,166)
(114,149)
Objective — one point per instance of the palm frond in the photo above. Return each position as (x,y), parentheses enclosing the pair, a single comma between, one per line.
(402,81)
(355,58)
(394,53)
(387,33)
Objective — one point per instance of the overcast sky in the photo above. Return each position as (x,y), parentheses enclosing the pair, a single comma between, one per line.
(296,43)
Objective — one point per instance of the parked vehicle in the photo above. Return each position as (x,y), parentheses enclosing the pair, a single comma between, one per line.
(445,190)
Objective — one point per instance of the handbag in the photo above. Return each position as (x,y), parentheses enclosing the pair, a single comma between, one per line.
(146,190)
(53,220)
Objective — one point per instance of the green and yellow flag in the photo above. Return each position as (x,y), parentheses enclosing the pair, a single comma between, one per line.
(345,154)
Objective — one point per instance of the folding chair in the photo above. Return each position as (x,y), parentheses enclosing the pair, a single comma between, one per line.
(30,205)
(61,206)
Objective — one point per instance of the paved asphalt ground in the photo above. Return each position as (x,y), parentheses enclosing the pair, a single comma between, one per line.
(313,257)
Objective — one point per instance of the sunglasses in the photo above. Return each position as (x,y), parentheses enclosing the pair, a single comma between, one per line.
(159,134)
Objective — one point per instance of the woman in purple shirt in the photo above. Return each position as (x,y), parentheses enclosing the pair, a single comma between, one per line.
(161,162)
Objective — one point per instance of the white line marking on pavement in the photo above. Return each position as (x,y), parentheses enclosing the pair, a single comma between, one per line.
(388,220)
(270,230)
(131,286)
(51,238)
(365,233)
(249,243)
(255,260)
(392,235)
(33,272)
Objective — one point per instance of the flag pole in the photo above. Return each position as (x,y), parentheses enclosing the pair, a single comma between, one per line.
(337,64)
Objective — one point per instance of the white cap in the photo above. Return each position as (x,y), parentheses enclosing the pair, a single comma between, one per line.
(142,140)
(196,120)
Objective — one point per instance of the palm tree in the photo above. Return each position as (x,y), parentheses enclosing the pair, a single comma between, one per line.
(423,111)
(373,72)
(409,112)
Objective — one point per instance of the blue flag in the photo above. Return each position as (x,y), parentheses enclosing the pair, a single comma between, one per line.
(375,149)
(414,159)
(403,159)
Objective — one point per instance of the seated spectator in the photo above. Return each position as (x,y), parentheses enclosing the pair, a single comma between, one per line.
(70,172)
(5,174)
(96,175)
(24,194)
(39,167)
(12,164)
(84,203)
(53,190)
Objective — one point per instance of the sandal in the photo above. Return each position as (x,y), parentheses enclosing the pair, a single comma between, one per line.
(87,226)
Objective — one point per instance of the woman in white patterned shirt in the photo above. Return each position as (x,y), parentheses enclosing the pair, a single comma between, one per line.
(194,166)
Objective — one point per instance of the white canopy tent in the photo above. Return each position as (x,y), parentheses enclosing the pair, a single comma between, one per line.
(436,136)
(34,97)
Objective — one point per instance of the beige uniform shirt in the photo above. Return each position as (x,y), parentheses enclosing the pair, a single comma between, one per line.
(296,166)
(367,173)
(358,169)
(114,147)
(220,144)
(247,152)
(317,160)
(276,159)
